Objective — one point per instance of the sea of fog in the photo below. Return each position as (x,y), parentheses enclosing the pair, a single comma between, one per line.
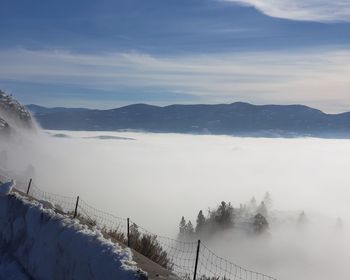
(156,178)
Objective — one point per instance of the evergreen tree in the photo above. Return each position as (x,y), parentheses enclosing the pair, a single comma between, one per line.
(200,222)
(260,224)
(182,227)
(252,205)
(189,229)
(268,200)
(224,215)
(242,211)
(262,209)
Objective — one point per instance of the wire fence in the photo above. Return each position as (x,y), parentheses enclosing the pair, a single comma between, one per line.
(186,259)
(212,266)
(176,255)
(111,225)
(6,176)
(64,204)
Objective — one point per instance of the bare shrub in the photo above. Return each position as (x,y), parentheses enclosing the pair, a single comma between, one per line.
(148,245)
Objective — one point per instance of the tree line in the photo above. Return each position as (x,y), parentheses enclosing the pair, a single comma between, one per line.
(225,216)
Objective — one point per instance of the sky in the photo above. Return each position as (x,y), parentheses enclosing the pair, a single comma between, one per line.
(110,53)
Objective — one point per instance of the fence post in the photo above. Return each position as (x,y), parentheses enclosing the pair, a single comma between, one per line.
(128,231)
(196,264)
(30,183)
(76,208)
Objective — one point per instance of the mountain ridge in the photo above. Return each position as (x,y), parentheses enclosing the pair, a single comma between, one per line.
(238,118)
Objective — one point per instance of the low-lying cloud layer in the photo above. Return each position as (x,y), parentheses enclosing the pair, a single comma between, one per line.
(309,10)
(157,178)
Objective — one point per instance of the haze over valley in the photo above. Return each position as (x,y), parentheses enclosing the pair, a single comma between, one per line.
(155,179)
(175,140)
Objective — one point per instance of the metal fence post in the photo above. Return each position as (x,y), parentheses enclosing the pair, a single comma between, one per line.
(196,264)
(29,185)
(76,208)
(128,231)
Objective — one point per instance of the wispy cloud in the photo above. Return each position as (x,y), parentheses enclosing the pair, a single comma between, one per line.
(317,78)
(309,10)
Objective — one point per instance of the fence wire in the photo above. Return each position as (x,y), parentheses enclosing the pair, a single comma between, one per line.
(211,266)
(110,225)
(6,176)
(176,255)
(65,204)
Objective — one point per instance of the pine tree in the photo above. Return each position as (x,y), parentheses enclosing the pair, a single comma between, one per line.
(262,209)
(200,222)
(260,224)
(252,205)
(189,229)
(242,211)
(182,227)
(224,215)
(268,200)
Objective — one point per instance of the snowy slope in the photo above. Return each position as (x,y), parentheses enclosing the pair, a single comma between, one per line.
(46,245)
(11,270)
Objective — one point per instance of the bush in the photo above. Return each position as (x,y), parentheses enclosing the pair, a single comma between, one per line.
(148,245)
(260,223)
(115,235)
(85,220)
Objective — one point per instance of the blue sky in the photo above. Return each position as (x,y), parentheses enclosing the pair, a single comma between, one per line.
(104,54)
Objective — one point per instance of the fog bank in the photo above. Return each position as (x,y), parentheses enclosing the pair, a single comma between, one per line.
(156,178)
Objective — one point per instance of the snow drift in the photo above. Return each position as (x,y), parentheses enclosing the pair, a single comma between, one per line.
(47,245)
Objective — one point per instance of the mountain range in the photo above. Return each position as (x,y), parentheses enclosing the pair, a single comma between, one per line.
(241,119)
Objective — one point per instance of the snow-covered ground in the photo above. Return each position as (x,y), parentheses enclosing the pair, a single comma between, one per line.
(42,244)
(11,270)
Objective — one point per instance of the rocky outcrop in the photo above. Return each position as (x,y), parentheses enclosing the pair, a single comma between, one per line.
(13,116)
(11,111)
(4,128)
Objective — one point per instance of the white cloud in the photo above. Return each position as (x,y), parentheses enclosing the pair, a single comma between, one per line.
(317,78)
(309,10)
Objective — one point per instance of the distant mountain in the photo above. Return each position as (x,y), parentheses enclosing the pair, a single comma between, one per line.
(36,109)
(233,119)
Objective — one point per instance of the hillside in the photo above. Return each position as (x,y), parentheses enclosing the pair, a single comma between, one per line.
(38,243)
(233,119)
(13,115)
(4,126)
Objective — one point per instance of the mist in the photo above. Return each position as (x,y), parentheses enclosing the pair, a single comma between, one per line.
(155,179)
